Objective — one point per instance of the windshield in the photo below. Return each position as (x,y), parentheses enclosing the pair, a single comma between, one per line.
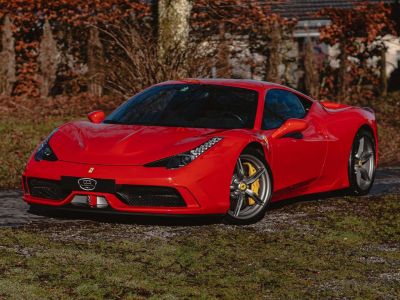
(189,105)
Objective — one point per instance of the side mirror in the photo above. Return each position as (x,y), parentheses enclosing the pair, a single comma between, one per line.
(290,126)
(96,116)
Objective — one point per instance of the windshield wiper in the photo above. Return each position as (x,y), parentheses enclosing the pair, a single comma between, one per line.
(114,122)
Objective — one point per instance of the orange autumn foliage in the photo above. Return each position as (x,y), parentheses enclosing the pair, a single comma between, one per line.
(68,16)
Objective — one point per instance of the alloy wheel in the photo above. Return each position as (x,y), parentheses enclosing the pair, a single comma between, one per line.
(364,163)
(250,188)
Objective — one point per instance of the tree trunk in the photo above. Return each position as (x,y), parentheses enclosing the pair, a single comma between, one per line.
(222,59)
(384,81)
(7,59)
(95,63)
(342,75)
(173,26)
(311,71)
(49,57)
(274,60)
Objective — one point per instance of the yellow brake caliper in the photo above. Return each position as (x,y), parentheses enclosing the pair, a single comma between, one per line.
(255,186)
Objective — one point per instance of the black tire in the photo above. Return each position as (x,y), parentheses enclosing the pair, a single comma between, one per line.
(266,191)
(356,187)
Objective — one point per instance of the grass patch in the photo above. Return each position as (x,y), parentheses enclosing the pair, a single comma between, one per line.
(334,248)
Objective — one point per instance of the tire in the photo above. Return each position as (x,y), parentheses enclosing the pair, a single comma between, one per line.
(361,170)
(250,190)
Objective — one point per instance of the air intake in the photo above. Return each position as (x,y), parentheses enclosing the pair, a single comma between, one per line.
(46,188)
(150,196)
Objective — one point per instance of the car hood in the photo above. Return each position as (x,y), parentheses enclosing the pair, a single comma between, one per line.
(111,144)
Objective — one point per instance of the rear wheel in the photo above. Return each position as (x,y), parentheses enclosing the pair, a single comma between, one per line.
(362,163)
(250,190)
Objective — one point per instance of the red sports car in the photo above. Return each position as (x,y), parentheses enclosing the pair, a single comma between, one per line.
(204,147)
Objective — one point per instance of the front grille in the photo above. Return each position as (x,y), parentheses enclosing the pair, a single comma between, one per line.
(46,188)
(135,195)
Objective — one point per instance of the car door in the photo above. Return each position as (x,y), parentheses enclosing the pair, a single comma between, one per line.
(298,158)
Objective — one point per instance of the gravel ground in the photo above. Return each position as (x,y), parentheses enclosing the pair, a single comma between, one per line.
(15,212)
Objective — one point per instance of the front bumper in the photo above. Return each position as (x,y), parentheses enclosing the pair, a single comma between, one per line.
(203,185)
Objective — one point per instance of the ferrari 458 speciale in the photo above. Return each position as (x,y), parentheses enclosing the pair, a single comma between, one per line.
(205,147)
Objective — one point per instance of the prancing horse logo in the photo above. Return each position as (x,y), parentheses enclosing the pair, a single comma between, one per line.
(87,184)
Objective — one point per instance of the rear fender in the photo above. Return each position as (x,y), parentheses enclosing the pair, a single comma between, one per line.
(342,126)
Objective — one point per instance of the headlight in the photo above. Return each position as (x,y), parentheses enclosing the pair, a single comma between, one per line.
(44,151)
(183,159)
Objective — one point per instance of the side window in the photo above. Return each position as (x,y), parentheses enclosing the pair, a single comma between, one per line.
(306,103)
(279,106)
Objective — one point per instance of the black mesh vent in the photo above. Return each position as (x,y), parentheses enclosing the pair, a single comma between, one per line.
(135,195)
(46,188)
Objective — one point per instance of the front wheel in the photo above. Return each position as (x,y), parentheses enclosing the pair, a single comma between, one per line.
(250,190)
(362,163)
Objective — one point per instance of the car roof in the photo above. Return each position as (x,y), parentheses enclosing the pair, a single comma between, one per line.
(249,83)
(243,83)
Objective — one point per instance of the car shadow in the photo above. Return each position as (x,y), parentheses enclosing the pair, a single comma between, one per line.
(307,198)
(67,215)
